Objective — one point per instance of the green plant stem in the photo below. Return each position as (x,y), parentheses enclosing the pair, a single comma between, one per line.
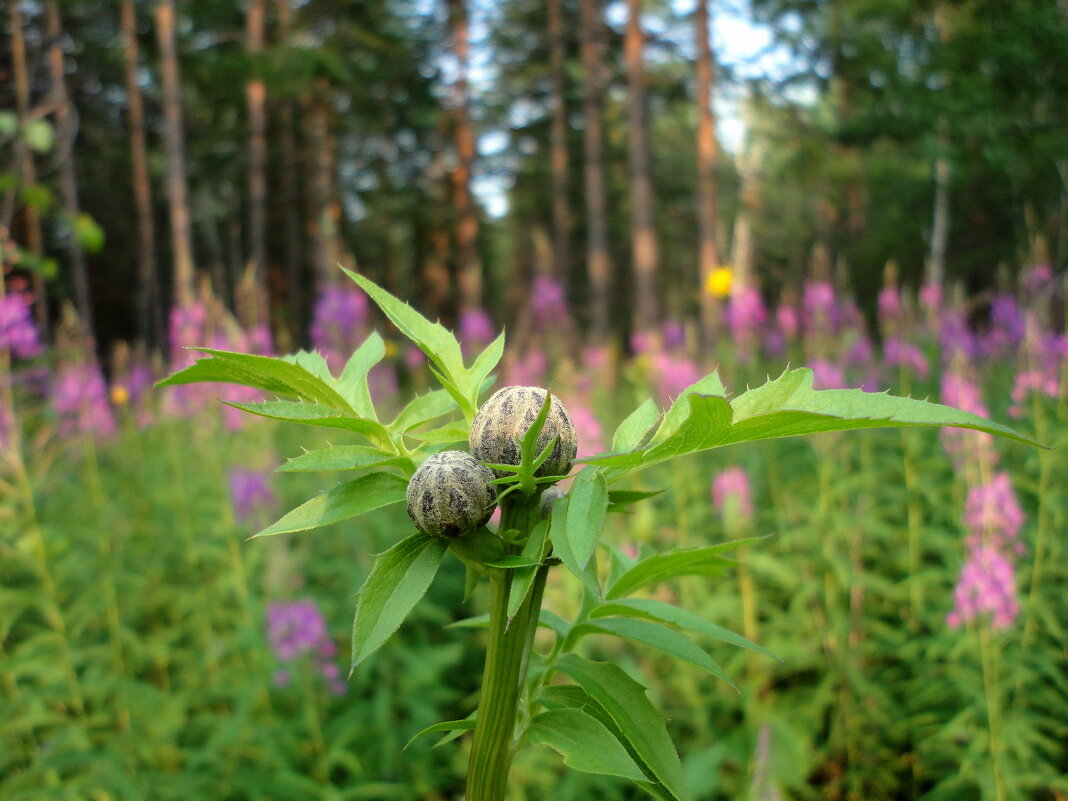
(507,658)
(1044,456)
(993,707)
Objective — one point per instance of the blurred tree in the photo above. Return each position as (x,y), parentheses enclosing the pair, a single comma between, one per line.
(150,318)
(177,190)
(645,253)
(257,163)
(67,128)
(707,148)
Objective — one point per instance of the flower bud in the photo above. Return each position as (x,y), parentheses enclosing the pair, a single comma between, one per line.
(450,494)
(503,420)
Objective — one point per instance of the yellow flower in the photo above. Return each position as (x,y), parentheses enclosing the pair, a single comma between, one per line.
(120,396)
(391,348)
(719,282)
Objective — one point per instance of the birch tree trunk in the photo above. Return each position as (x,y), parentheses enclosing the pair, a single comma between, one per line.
(177,189)
(321,144)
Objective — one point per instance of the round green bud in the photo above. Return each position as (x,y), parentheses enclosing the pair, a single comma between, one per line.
(450,494)
(503,420)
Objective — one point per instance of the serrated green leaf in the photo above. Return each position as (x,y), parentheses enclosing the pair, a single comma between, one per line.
(353,498)
(676,415)
(523,578)
(352,384)
(313,362)
(587,506)
(423,409)
(619,500)
(399,579)
(786,407)
(484,364)
(314,414)
(346,457)
(642,727)
(690,562)
(635,427)
(466,724)
(262,372)
(655,635)
(453,432)
(651,609)
(584,743)
(562,548)
(433,339)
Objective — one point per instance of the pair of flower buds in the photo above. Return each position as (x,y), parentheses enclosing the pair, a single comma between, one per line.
(451,494)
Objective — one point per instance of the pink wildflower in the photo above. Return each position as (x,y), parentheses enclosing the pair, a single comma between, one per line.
(731,493)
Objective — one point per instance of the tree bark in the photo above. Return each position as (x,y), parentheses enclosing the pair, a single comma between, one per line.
(150,325)
(707,149)
(469,269)
(68,181)
(936,263)
(177,189)
(257,167)
(325,250)
(645,252)
(34,238)
(597,259)
(558,146)
(290,192)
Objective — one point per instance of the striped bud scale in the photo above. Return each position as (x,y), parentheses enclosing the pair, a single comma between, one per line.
(498,429)
(450,494)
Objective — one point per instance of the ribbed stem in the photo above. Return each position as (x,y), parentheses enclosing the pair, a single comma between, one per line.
(507,657)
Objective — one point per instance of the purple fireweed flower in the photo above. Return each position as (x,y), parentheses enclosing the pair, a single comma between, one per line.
(251,494)
(414,358)
(1038,382)
(673,334)
(548,303)
(898,353)
(591,439)
(475,328)
(529,369)
(1038,280)
(963,445)
(80,401)
(640,342)
(820,307)
(955,338)
(674,374)
(986,585)
(889,304)
(789,322)
(745,317)
(931,297)
(859,353)
(297,630)
(18,334)
(993,514)
(827,375)
(731,493)
(338,322)
(382,382)
(1007,326)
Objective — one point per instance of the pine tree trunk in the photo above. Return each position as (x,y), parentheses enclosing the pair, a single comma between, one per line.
(68,182)
(646,256)
(936,263)
(325,251)
(558,135)
(707,149)
(149,309)
(469,270)
(177,190)
(255,311)
(597,259)
(24,160)
(290,195)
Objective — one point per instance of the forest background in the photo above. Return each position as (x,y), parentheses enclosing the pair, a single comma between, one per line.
(258,145)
